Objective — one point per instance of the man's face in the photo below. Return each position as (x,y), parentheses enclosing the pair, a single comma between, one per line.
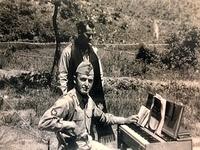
(89,32)
(87,35)
(84,83)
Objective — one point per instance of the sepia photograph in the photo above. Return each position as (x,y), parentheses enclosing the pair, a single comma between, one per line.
(99,75)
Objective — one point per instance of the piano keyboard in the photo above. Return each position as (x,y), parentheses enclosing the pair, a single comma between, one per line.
(134,135)
(139,138)
(146,134)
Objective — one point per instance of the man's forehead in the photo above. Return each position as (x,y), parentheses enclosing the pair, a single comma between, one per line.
(88,76)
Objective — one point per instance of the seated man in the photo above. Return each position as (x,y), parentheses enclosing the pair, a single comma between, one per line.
(70,116)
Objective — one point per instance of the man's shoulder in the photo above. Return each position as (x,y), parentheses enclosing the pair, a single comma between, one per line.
(72,94)
(68,48)
(64,100)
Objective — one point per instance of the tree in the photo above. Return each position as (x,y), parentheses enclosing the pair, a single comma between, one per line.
(56,4)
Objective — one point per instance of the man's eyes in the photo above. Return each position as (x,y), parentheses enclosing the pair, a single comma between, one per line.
(84,79)
(90,80)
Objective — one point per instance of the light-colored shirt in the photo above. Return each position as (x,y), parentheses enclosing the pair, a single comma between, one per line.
(69,108)
(64,66)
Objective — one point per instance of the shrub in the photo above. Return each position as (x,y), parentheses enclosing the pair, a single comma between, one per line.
(182,48)
(147,55)
(22,20)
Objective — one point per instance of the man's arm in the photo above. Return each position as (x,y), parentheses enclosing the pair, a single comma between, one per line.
(63,68)
(112,119)
(52,120)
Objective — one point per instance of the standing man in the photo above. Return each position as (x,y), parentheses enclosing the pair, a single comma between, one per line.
(70,116)
(81,49)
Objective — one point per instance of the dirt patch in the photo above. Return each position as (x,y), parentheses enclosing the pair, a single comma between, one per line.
(12,138)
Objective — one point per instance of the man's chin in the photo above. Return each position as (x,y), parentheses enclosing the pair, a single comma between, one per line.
(84,92)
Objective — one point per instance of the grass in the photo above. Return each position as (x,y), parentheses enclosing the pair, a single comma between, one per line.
(12,138)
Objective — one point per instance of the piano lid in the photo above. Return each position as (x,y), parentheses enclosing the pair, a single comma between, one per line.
(173,115)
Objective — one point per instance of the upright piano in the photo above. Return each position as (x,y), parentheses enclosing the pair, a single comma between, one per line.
(140,136)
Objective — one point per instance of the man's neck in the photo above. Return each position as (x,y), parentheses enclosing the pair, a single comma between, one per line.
(84,47)
(83,97)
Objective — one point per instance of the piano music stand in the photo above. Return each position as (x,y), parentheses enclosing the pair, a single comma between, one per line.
(173,115)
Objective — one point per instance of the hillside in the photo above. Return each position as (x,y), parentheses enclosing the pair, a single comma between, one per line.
(117,21)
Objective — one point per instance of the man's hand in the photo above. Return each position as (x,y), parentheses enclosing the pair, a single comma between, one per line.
(68,129)
(132,119)
(69,125)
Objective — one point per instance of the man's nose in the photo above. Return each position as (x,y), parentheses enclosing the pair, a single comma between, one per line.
(86,82)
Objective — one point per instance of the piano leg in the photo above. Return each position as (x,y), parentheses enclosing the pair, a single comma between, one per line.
(120,144)
(123,146)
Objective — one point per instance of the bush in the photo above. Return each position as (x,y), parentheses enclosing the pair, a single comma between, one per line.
(23,21)
(182,48)
(147,55)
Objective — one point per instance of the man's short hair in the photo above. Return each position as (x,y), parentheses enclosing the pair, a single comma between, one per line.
(81,26)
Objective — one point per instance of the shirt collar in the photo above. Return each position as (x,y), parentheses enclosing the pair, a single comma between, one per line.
(78,98)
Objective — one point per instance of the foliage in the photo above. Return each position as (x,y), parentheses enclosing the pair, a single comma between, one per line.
(22,20)
(118,63)
(8,20)
(125,21)
(182,48)
(146,55)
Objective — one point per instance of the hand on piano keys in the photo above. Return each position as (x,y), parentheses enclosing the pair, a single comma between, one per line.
(132,119)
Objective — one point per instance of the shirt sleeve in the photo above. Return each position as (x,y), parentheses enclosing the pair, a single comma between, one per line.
(52,120)
(63,68)
(107,117)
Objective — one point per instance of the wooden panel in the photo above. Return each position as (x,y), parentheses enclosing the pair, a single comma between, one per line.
(180,145)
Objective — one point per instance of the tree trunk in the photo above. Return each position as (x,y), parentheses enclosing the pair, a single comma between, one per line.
(57,51)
